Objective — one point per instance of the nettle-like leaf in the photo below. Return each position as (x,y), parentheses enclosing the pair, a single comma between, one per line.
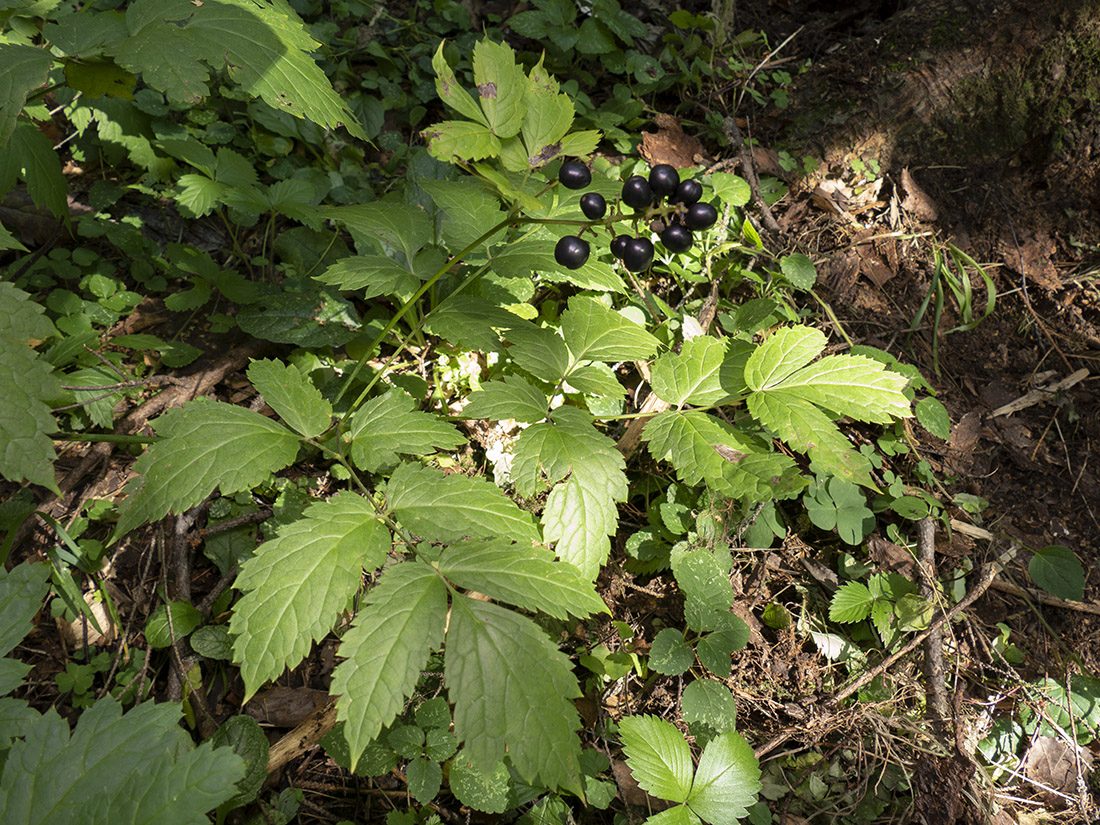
(851,603)
(540,351)
(471,322)
(587,472)
(450,507)
(401,622)
(30,157)
(527,577)
(799,400)
(701,447)
(26,383)
(370,275)
(390,425)
(468,211)
(138,767)
(658,756)
(287,391)
(296,585)
(205,445)
(593,332)
(401,226)
(512,397)
(512,691)
(692,376)
(265,46)
(25,68)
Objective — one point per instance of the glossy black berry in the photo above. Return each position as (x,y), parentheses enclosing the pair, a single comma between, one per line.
(663,180)
(688,192)
(636,192)
(618,246)
(638,254)
(574,175)
(593,205)
(571,252)
(677,238)
(700,216)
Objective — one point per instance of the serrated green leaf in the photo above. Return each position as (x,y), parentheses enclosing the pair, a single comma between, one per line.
(593,332)
(1058,571)
(706,587)
(449,507)
(676,815)
(851,603)
(400,624)
(471,322)
(439,744)
(213,642)
(136,767)
(625,26)
(512,690)
(581,511)
(715,649)
(451,140)
(500,87)
(670,654)
(727,780)
(370,275)
(21,592)
(547,119)
(709,703)
(468,211)
(389,425)
(850,385)
(243,734)
(702,447)
(425,778)
(265,47)
(297,401)
(26,383)
(658,756)
(525,577)
(407,740)
(932,415)
(402,226)
(486,791)
(540,351)
(580,144)
(297,585)
(29,156)
(100,78)
(784,352)
(798,270)
(320,318)
(171,622)
(205,445)
(596,379)
(730,188)
(691,376)
(511,397)
(451,92)
(25,68)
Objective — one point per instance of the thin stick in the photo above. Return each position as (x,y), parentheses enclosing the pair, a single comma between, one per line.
(933,645)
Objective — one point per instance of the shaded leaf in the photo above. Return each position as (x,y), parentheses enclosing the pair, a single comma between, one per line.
(291,394)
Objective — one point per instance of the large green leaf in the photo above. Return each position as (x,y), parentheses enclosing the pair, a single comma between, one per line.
(527,577)
(297,401)
(693,375)
(135,768)
(512,692)
(265,46)
(727,780)
(205,445)
(588,472)
(451,92)
(22,320)
(389,425)
(701,447)
(449,507)
(461,139)
(25,68)
(500,86)
(471,322)
(402,226)
(385,650)
(540,351)
(21,592)
(511,397)
(296,585)
(30,156)
(370,275)
(26,383)
(595,333)
(469,211)
(658,756)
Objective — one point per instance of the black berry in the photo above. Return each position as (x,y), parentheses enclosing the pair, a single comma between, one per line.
(700,216)
(571,252)
(636,192)
(574,175)
(676,238)
(638,254)
(593,205)
(663,180)
(688,192)
(618,246)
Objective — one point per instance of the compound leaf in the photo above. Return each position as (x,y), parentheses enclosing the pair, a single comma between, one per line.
(370,275)
(385,650)
(450,139)
(449,507)
(402,226)
(658,756)
(547,119)
(526,577)
(287,391)
(389,425)
(851,603)
(451,93)
(296,585)
(512,691)
(727,780)
(205,445)
(540,351)
(500,86)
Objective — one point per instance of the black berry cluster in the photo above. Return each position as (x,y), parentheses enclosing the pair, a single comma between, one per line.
(675,222)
